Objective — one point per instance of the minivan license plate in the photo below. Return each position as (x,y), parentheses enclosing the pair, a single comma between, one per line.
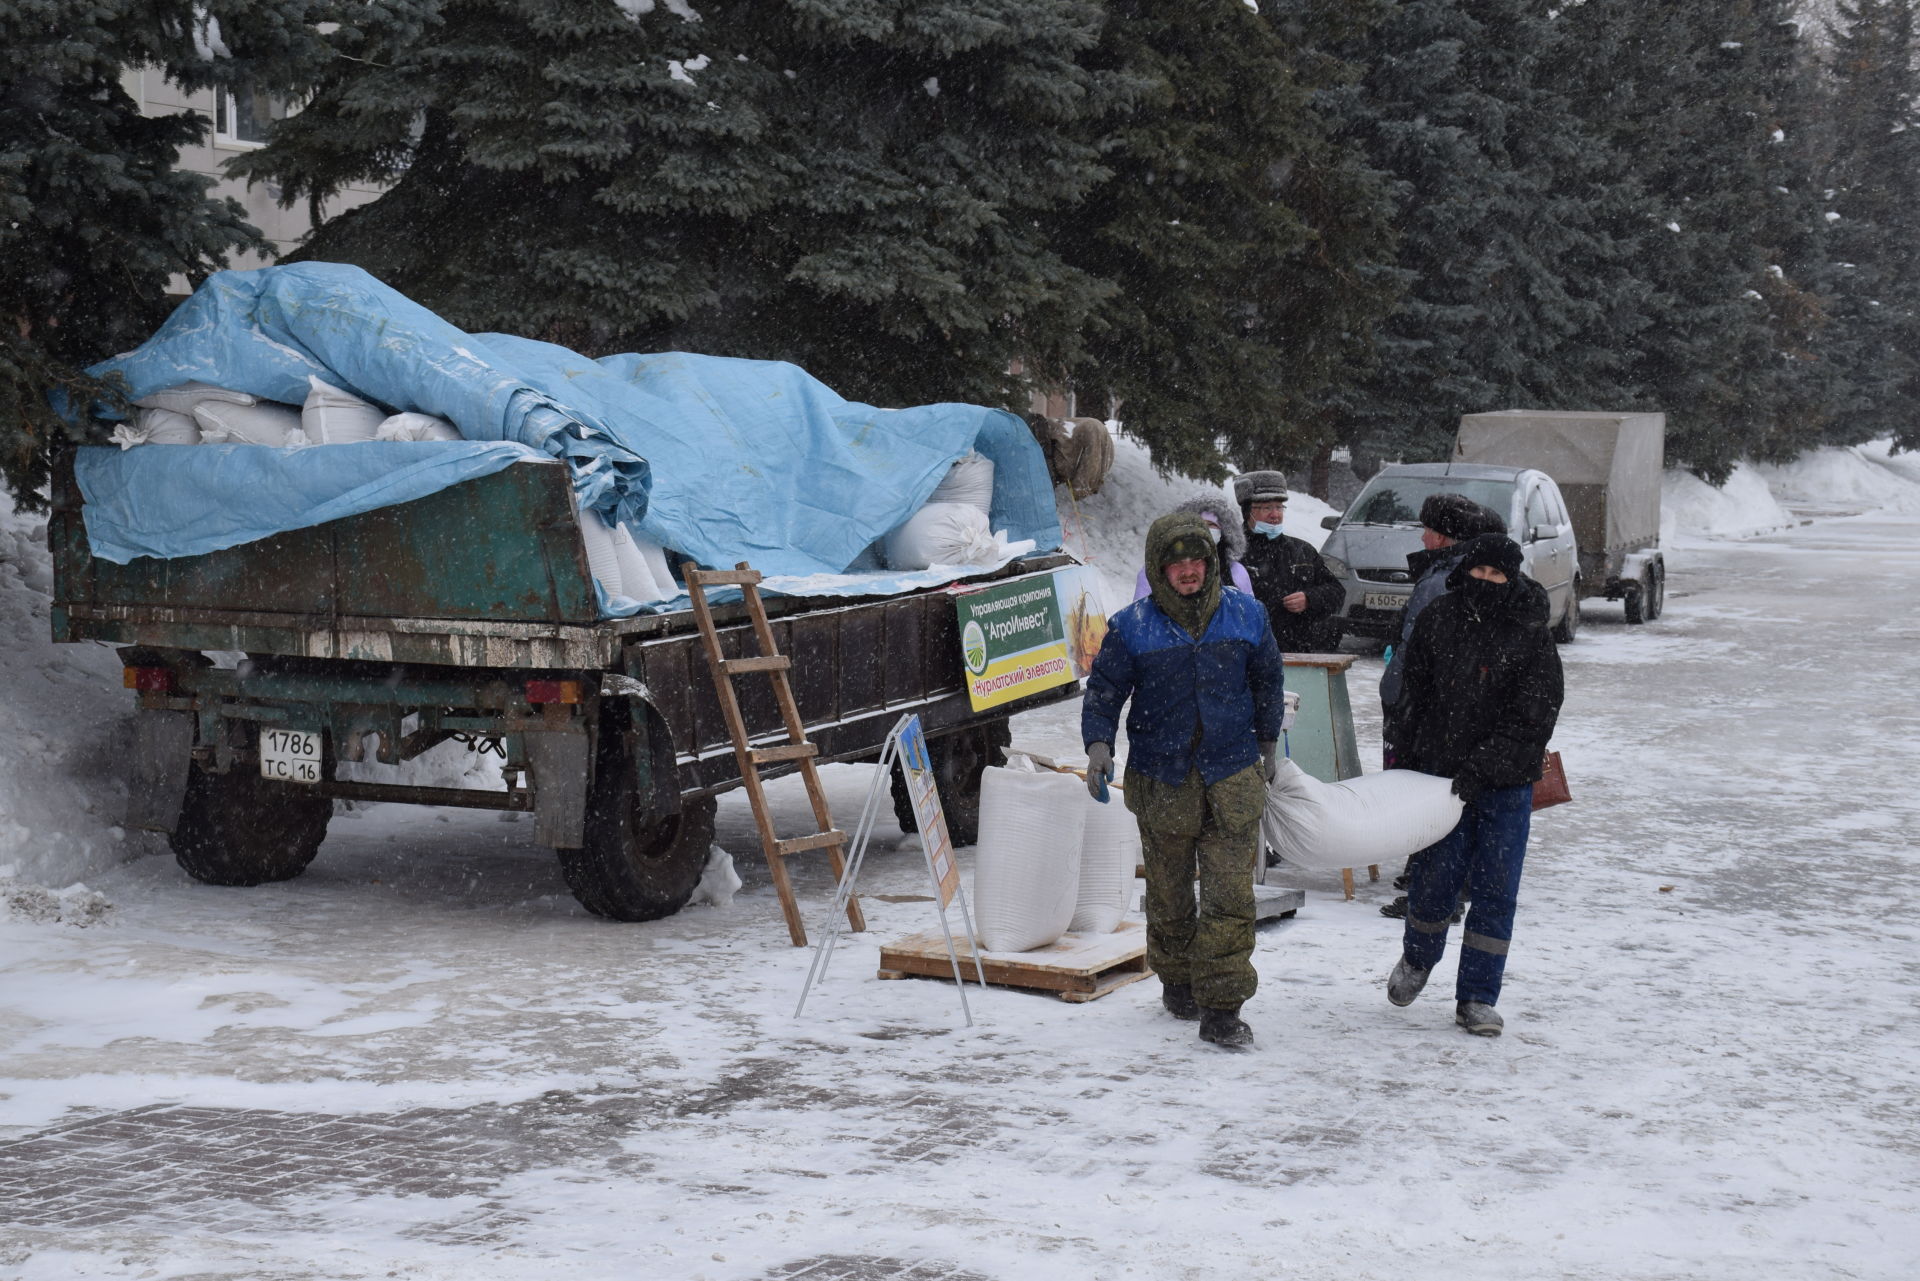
(290,755)
(1384,600)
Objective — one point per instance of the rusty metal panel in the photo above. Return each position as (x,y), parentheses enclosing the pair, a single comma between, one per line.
(504,547)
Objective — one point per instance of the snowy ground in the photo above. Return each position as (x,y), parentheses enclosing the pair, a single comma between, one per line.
(422,1060)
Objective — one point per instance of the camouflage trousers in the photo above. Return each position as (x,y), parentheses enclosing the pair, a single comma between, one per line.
(1190,830)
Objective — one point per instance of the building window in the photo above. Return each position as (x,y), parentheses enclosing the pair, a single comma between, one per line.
(241,116)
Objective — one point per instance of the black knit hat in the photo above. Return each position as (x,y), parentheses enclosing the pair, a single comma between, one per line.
(1453,515)
(1496,550)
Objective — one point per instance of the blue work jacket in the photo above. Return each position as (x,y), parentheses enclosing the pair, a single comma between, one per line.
(1226,685)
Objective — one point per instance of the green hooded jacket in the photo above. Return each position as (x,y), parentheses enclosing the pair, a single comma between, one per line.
(1175,537)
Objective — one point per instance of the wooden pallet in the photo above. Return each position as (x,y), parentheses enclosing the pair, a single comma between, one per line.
(1077,968)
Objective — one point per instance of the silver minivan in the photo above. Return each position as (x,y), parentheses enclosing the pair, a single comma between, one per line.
(1369,546)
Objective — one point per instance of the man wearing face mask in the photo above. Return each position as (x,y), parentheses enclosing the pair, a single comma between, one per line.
(1484,687)
(1204,677)
(1289,577)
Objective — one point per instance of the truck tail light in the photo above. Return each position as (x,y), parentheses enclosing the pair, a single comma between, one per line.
(148,680)
(553,691)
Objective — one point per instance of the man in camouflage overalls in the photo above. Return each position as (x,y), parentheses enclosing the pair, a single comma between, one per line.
(1204,675)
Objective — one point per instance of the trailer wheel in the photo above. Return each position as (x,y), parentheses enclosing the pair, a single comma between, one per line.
(958,762)
(1569,625)
(1646,596)
(636,865)
(240,829)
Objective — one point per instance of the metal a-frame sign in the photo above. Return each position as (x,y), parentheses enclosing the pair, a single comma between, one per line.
(906,745)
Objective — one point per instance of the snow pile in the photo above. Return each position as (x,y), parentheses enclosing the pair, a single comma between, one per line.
(64,726)
(1860,478)
(1743,508)
(76,905)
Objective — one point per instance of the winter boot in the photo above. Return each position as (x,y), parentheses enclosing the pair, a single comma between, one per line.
(1224,1027)
(1405,983)
(1401,881)
(1478,1018)
(1397,909)
(1178,998)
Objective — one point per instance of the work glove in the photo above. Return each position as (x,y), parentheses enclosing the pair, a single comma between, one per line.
(1269,761)
(1467,788)
(1099,770)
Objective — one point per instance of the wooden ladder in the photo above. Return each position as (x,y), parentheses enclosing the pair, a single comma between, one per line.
(751,758)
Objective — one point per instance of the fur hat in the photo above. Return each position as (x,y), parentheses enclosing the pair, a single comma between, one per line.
(1259,487)
(1233,534)
(1455,516)
(1497,550)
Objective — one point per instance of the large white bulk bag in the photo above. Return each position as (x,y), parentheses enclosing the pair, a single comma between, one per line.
(1377,818)
(415,426)
(183,398)
(1109,855)
(267,423)
(1026,870)
(969,481)
(943,534)
(335,417)
(603,561)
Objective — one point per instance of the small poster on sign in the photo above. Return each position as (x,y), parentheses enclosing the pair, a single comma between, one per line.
(924,790)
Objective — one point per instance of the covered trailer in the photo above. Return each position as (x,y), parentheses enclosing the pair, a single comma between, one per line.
(1608,467)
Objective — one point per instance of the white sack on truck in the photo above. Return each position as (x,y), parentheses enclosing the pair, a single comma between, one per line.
(1026,873)
(944,534)
(267,423)
(335,417)
(603,559)
(416,426)
(157,427)
(183,398)
(1377,818)
(968,481)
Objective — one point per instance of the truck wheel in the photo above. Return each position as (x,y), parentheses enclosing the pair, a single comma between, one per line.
(636,865)
(958,762)
(1656,590)
(1569,625)
(240,829)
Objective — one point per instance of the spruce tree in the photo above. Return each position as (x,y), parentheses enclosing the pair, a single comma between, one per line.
(1240,240)
(1874,187)
(94,218)
(855,186)
(1687,96)
(1516,294)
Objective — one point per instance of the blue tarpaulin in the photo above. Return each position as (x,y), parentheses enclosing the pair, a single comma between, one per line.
(720,459)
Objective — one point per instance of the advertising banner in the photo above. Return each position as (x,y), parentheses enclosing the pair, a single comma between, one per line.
(1013,640)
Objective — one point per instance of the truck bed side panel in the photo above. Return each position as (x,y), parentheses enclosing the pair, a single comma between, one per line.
(501,548)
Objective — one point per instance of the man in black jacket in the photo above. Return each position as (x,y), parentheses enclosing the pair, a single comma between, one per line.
(1484,687)
(1289,577)
(1446,522)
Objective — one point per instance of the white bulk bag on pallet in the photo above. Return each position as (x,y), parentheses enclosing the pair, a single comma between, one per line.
(1109,856)
(1377,818)
(1026,870)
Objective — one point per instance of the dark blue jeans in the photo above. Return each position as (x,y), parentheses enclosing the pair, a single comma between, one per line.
(1482,855)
